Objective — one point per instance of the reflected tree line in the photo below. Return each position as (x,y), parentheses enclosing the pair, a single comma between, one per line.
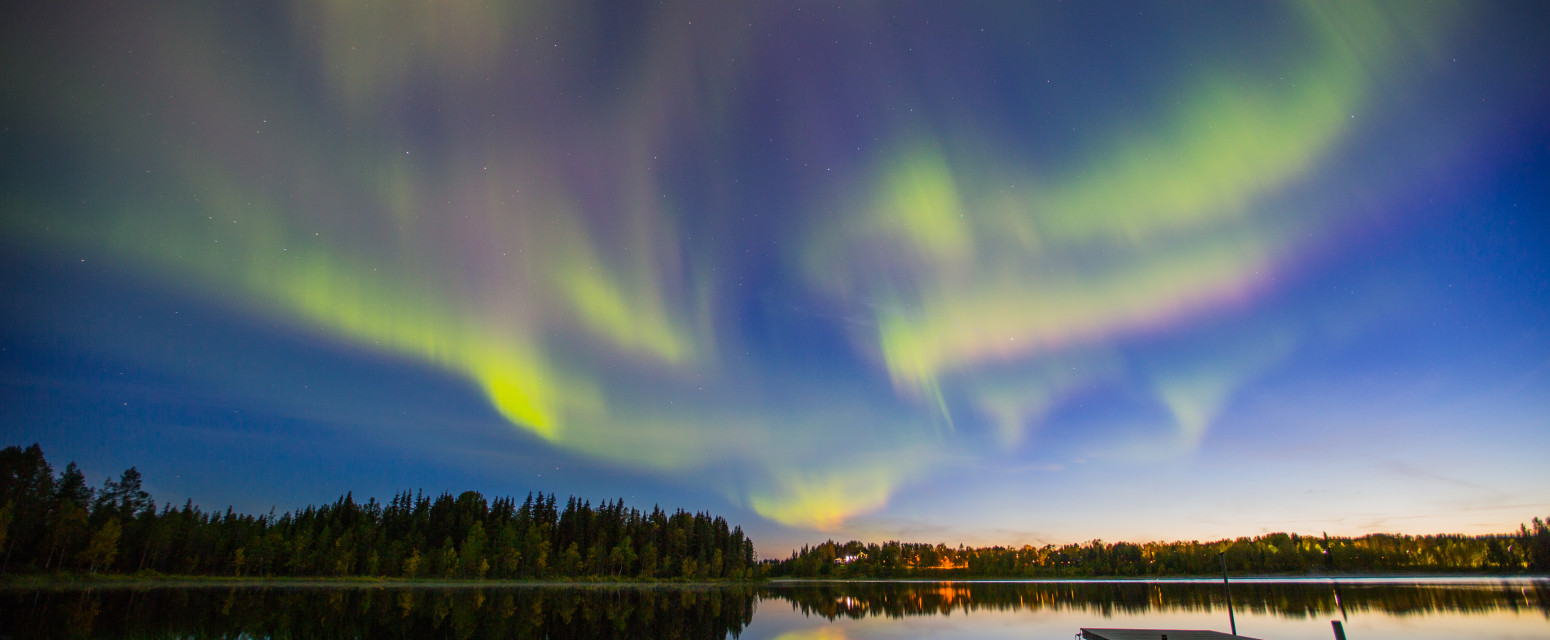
(1295,600)
(52,523)
(693,611)
(317,612)
(1524,551)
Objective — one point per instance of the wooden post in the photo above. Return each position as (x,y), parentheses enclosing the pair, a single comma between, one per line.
(1339,630)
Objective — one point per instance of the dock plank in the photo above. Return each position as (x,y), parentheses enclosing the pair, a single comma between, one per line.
(1158,634)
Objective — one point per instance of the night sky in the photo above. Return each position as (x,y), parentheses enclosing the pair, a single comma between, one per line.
(985,273)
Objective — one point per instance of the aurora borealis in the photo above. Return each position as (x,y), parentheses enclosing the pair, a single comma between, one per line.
(994,273)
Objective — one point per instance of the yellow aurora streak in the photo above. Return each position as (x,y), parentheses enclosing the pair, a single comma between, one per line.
(823,499)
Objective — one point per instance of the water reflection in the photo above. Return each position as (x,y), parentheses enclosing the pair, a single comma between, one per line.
(690,611)
(1103,599)
(369,612)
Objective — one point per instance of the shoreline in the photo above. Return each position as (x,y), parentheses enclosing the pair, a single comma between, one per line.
(1252,579)
(53,581)
(71,582)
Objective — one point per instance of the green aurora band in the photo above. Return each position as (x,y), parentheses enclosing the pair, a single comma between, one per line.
(539,254)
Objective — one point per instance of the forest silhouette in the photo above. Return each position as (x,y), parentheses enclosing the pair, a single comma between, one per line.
(59,524)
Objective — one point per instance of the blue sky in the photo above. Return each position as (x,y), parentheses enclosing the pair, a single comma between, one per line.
(976,273)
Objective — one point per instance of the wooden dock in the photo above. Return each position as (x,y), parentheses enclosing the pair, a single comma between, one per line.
(1158,634)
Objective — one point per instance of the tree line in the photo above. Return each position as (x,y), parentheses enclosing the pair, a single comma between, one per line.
(1525,551)
(52,523)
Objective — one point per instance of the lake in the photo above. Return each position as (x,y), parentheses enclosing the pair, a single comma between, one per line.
(1371,609)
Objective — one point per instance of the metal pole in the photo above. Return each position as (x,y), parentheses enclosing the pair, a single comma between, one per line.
(1339,630)
(1227,589)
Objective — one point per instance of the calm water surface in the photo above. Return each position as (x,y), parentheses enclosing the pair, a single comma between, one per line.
(1372,609)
